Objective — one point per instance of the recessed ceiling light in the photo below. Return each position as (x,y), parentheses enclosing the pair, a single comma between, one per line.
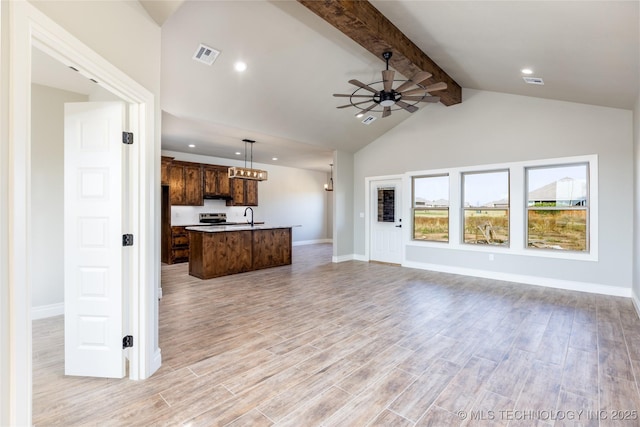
(274,158)
(527,71)
(240,66)
(192,146)
(238,153)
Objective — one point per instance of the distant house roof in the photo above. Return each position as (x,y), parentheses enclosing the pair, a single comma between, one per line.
(431,203)
(565,190)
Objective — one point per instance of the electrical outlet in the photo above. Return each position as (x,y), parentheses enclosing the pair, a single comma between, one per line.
(361,214)
(490,257)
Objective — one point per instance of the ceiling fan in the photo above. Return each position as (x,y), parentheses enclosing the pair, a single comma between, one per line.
(382,94)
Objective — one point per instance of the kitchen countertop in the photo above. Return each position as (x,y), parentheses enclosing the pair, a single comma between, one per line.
(247,227)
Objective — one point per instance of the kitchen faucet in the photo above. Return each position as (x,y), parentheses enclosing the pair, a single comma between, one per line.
(245,214)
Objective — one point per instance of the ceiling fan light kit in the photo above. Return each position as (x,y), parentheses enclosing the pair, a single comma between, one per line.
(404,97)
(245,172)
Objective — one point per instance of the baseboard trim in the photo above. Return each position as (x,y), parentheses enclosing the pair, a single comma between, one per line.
(342,258)
(155,362)
(636,303)
(594,288)
(311,242)
(44,311)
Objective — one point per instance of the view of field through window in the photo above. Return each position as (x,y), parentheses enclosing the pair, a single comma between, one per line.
(486,207)
(557,203)
(557,216)
(431,208)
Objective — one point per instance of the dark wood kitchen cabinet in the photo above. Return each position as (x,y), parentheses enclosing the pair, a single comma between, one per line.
(179,245)
(216,182)
(165,164)
(185,184)
(244,192)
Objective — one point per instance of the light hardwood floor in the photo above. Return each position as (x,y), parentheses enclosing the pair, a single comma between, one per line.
(357,344)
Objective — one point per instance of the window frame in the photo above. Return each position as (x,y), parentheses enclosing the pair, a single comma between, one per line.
(585,207)
(517,209)
(414,208)
(463,174)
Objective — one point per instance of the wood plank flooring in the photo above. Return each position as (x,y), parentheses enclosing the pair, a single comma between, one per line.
(362,344)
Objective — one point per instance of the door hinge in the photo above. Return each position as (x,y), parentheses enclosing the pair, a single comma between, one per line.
(127,341)
(127,137)
(127,240)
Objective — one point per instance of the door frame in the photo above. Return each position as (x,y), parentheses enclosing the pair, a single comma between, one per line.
(27,28)
(368,183)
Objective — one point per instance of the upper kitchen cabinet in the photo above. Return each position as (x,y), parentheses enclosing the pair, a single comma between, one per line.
(185,184)
(244,192)
(165,164)
(216,182)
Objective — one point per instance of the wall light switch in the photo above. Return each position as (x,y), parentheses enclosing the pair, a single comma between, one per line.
(490,257)
(361,214)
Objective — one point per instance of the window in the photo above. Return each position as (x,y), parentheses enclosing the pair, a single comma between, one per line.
(431,208)
(486,207)
(558,207)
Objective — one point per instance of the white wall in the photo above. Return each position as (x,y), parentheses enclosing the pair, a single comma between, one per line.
(490,127)
(47,197)
(290,196)
(343,219)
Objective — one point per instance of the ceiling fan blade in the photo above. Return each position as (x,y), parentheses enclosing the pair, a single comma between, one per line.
(387,79)
(422,98)
(409,108)
(417,78)
(436,86)
(352,105)
(431,88)
(386,112)
(343,95)
(362,85)
(370,107)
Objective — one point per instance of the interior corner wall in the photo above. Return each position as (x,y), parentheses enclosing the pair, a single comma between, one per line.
(343,206)
(490,128)
(5,338)
(47,196)
(636,211)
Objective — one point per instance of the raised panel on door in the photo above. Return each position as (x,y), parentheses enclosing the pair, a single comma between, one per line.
(210,178)
(177,185)
(251,193)
(193,185)
(224,183)
(94,278)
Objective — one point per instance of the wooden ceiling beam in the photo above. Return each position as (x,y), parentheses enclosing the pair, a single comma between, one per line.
(365,25)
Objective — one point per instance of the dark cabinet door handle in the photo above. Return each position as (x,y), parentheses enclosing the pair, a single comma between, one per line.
(399,226)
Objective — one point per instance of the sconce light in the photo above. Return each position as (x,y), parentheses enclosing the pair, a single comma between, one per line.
(329,186)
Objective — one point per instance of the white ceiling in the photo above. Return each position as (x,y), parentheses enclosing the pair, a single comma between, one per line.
(586,52)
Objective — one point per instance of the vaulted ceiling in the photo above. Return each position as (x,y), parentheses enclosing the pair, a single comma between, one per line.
(585,51)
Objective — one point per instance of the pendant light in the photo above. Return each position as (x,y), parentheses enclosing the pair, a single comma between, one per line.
(329,186)
(248,172)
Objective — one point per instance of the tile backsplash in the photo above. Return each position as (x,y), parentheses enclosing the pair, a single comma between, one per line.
(189,215)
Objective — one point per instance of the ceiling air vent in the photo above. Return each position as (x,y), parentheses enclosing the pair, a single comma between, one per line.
(206,54)
(368,120)
(533,80)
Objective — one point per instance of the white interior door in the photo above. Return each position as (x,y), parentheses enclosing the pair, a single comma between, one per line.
(385,238)
(93,228)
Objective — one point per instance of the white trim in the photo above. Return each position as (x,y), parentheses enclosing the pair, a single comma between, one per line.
(636,303)
(343,258)
(156,361)
(311,242)
(357,257)
(570,285)
(517,209)
(367,209)
(45,311)
(29,27)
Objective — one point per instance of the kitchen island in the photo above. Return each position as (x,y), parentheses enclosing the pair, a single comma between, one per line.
(222,250)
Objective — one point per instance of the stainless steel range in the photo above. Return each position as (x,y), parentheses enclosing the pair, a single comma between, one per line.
(214,219)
